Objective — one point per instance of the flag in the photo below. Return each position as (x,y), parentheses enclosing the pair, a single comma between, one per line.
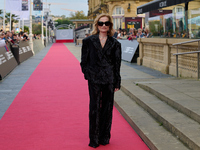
(19,8)
(13,5)
(6,48)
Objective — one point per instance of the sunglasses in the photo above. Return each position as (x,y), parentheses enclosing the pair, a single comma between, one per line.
(107,23)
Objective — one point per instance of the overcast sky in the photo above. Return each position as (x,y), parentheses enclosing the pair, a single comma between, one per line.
(67,4)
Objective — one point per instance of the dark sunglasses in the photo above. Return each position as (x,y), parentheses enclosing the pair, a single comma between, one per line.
(107,23)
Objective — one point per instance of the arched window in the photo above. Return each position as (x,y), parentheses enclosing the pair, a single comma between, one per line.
(118,14)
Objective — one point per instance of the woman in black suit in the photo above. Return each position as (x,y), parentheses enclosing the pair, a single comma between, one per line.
(100,63)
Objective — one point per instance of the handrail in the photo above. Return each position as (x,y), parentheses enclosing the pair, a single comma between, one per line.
(186,42)
(176,54)
(187,53)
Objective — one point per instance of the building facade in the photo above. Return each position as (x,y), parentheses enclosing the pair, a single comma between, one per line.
(172,19)
(123,12)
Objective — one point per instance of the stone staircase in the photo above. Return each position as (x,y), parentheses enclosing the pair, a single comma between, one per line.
(166,117)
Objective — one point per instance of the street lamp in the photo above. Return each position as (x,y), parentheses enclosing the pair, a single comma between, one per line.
(30,29)
(49,26)
(129,7)
(46,24)
(4,16)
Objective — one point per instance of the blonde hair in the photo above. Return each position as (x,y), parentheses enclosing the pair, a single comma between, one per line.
(95,25)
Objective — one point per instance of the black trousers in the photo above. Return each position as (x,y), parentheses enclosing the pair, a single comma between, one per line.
(100,111)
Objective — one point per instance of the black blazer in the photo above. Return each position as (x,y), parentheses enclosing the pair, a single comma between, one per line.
(101,65)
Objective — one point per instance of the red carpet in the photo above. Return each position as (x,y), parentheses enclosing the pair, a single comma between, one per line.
(51,111)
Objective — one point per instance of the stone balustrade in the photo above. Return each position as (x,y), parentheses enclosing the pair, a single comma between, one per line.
(157,53)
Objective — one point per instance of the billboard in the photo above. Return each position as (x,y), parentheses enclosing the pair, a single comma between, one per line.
(37,5)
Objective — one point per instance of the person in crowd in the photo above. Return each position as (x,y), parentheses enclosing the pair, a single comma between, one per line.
(123,34)
(76,38)
(2,36)
(130,33)
(147,34)
(100,63)
(24,36)
(119,34)
(140,34)
(169,35)
(35,36)
(133,36)
(115,33)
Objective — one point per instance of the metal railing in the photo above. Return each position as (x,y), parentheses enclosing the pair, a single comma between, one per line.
(177,54)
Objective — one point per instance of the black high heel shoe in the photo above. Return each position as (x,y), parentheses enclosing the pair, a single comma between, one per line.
(94,145)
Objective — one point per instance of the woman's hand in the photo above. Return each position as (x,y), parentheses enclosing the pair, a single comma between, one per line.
(116,89)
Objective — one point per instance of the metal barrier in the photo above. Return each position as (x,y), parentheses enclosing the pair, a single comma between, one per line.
(177,54)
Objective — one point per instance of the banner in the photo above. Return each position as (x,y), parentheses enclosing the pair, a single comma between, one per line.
(7,62)
(37,5)
(129,49)
(13,5)
(24,12)
(25,5)
(64,34)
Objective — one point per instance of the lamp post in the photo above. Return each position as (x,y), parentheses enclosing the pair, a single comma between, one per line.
(19,24)
(46,25)
(10,21)
(4,16)
(49,26)
(30,29)
(42,25)
(23,24)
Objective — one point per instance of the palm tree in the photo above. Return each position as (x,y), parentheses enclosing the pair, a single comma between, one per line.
(12,19)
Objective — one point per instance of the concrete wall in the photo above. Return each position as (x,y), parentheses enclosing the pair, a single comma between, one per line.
(158,53)
(37,45)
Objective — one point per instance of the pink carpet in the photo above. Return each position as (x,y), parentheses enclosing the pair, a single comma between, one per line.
(51,111)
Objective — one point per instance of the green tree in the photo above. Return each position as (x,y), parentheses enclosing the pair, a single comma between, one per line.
(37,28)
(26,29)
(1,12)
(77,15)
(63,21)
(12,19)
(63,16)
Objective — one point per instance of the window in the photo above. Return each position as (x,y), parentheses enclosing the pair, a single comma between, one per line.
(118,14)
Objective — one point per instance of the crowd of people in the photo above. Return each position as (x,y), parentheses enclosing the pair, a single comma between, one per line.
(133,34)
(14,38)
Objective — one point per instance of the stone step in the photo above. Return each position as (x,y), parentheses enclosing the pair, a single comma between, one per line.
(186,129)
(151,132)
(177,99)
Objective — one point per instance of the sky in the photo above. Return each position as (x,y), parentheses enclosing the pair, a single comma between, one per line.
(78,5)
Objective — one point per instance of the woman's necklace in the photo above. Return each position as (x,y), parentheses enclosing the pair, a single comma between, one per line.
(102,40)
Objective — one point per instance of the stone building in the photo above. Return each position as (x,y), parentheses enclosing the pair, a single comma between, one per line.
(123,12)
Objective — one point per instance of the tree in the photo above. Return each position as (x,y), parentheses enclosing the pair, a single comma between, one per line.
(1,12)
(26,29)
(63,16)
(77,15)
(63,21)
(12,19)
